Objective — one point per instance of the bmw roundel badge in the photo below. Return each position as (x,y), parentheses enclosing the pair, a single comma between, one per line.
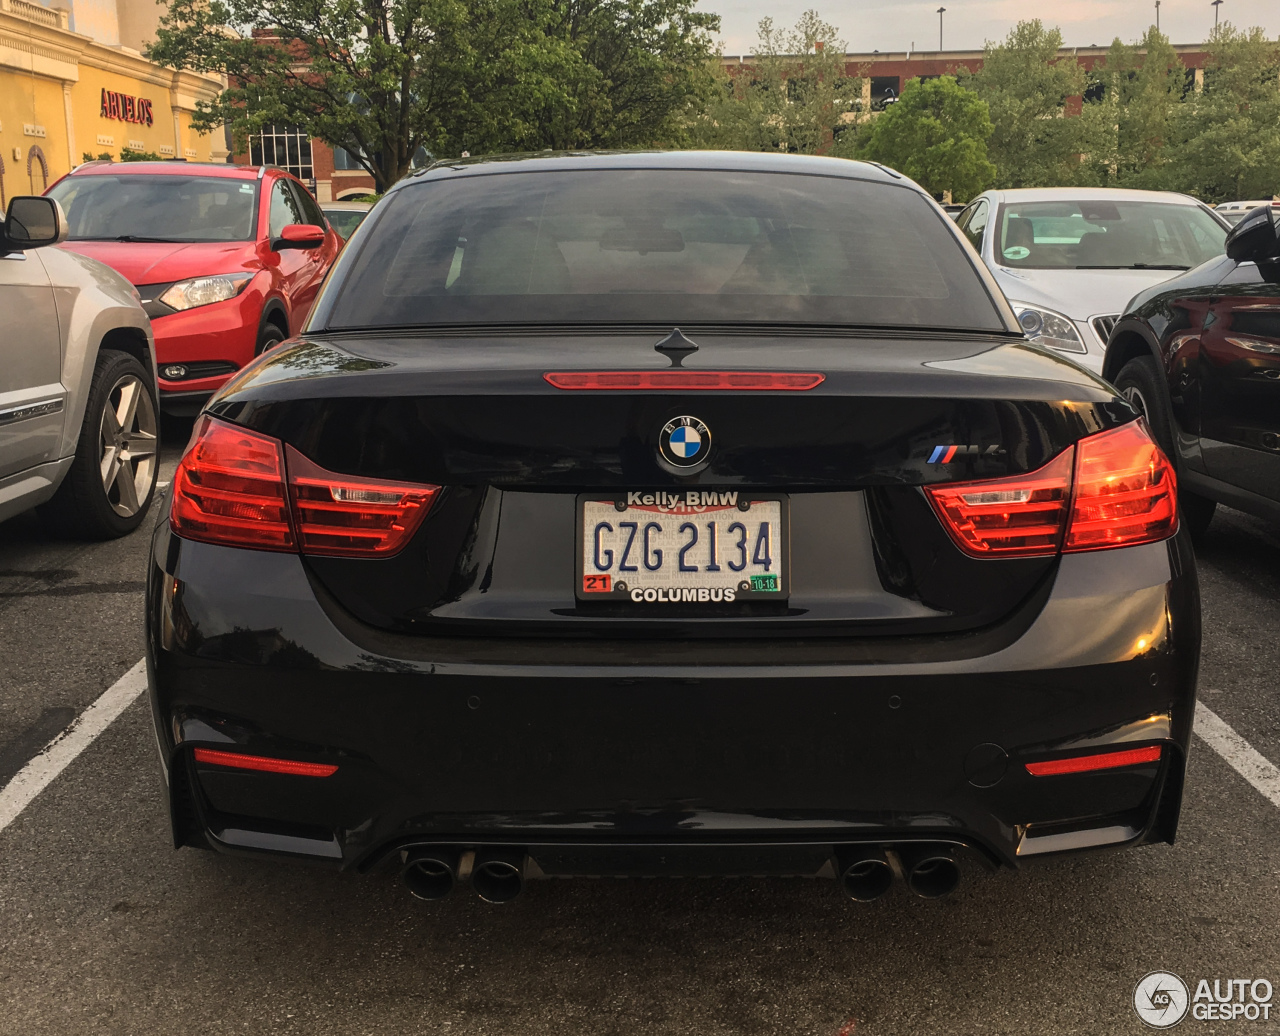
(684,441)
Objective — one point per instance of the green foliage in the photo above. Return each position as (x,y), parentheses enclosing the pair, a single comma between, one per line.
(102,156)
(936,134)
(1226,139)
(1026,85)
(130,155)
(1128,131)
(383,78)
(794,94)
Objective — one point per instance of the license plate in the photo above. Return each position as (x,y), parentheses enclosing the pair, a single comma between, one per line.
(689,547)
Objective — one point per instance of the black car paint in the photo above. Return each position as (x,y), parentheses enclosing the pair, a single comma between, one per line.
(897,702)
(1224,396)
(502,438)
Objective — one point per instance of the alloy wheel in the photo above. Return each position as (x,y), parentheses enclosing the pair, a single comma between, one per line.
(1135,398)
(129,441)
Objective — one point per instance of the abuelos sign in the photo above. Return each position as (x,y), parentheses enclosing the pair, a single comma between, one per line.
(125,108)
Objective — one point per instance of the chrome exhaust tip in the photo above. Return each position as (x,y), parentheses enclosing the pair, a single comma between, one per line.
(498,874)
(865,874)
(431,873)
(932,870)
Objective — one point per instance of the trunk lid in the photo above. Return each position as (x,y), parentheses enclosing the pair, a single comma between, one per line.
(500,550)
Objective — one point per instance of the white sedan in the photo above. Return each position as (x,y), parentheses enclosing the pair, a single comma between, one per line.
(1070,258)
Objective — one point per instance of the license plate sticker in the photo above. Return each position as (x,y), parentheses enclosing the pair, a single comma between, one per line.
(691,548)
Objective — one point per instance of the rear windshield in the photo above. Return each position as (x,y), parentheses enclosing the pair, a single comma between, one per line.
(661,245)
(1106,235)
(158,208)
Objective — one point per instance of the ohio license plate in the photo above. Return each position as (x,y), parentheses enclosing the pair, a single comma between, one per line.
(687,547)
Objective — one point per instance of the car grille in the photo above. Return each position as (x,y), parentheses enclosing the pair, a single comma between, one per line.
(1103,326)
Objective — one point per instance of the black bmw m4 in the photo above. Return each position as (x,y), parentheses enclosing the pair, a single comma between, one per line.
(676,514)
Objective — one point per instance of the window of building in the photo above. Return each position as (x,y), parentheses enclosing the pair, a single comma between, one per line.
(344,159)
(884,90)
(284,146)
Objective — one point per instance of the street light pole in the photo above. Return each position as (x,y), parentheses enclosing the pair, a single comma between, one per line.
(941,10)
(1216,5)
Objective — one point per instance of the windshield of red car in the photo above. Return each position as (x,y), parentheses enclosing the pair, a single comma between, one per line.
(123,207)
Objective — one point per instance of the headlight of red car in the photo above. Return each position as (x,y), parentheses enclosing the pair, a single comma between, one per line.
(201,291)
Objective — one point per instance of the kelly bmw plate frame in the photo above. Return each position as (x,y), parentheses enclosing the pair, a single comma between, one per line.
(662,547)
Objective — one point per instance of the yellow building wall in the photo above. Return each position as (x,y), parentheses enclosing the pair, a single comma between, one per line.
(50,77)
(36,102)
(98,134)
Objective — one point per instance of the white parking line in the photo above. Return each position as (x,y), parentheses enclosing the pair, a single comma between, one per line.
(58,754)
(1246,760)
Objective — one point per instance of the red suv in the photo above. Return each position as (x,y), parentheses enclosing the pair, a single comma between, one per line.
(227,259)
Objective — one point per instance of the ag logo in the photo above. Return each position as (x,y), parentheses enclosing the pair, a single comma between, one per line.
(1161,999)
(684,441)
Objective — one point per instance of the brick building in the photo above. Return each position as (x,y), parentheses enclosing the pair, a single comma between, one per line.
(885,74)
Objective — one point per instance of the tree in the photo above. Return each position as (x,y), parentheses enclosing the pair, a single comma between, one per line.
(1026,85)
(1130,125)
(936,134)
(1226,139)
(793,95)
(383,78)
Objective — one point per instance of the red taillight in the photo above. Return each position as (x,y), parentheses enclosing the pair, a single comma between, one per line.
(234,487)
(1097,761)
(1113,489)
(229,488)
(353,517)
(1003,517)
(1125,492)
(240,761)
(682,380)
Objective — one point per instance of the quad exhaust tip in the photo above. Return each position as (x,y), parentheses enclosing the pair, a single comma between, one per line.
(431,873)
(498,875)
(932,871)
(865,874)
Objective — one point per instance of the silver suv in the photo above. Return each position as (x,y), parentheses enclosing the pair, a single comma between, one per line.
(78,428)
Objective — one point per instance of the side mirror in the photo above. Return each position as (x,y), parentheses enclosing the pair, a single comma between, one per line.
(299,235)
(33,222)
(1256,238)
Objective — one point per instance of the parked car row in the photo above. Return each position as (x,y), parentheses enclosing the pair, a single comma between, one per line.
(169,278)
(1157,293)
(623,438)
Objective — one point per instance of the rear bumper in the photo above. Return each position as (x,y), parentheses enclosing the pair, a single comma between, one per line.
(592,755)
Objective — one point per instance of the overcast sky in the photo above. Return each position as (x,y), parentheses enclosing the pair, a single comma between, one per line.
(868,25)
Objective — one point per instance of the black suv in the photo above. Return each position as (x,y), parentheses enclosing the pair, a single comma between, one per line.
(1200,356)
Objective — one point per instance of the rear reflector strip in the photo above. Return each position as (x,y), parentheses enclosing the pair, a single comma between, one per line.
(263,763)
(1087,763)
(677,380)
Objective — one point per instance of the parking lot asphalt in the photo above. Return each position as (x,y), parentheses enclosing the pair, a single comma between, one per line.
(104,928)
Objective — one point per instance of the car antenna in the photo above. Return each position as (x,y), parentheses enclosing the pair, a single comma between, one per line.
(676,346)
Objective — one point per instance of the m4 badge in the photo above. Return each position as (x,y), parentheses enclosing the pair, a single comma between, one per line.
(945,454)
